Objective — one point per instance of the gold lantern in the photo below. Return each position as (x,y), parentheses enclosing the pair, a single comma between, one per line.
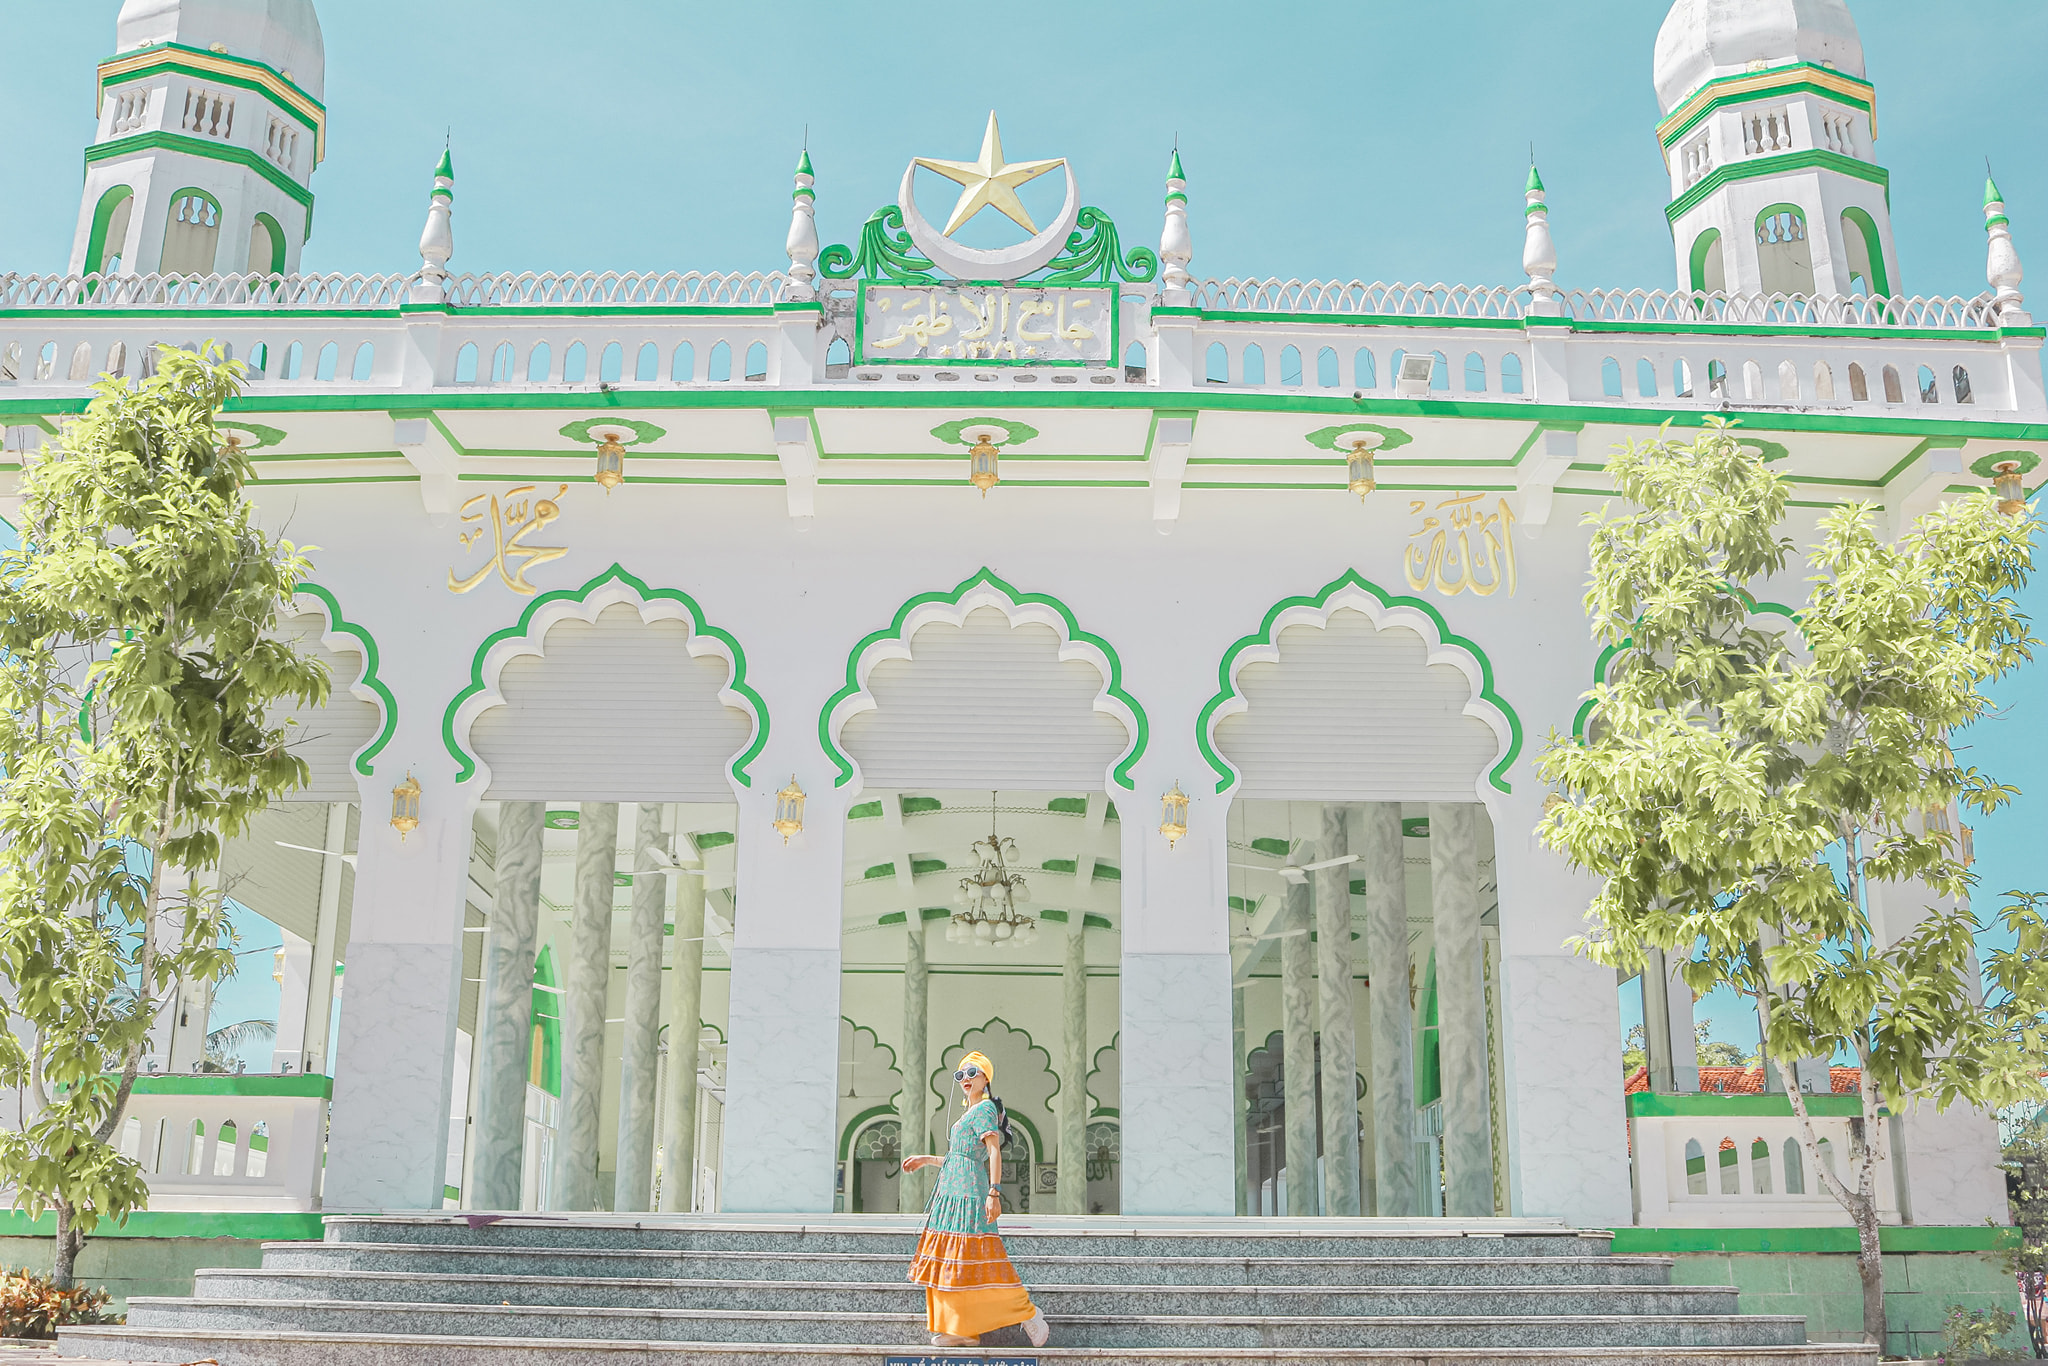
(1358,467)
(2005,480)
(1173,815)
(982,463)
(789,810)
(405,806)
(611,462)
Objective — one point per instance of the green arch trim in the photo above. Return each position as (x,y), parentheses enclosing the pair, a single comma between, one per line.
(465,762)
(1696,269)
(1873,248)
(275,230)
(861,1121)
(1031,1045)
(364,762)
(1227,777)
(1600,665)
(102,220)
(548,1015)
(894,1065)
(1121,774)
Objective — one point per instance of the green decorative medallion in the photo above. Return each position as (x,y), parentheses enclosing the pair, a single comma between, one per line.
(1983,466)
(1391,438)
(590,431)
(255,437)
(961,433)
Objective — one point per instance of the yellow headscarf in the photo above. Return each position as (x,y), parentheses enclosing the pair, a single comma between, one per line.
(988,1069)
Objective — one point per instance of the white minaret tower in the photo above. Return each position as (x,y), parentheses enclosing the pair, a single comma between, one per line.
(210,125)
(1768,130)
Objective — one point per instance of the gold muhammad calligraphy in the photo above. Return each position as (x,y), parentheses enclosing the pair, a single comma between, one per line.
(1464,549)
(510,519)
(996,324)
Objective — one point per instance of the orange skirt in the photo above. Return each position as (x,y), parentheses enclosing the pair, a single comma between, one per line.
(970,1313)
(970,1286)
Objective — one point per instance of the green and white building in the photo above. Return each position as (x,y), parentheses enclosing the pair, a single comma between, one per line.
(716,617)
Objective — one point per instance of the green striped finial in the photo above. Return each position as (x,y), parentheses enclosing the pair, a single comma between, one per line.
(803,163)
(447,166)
(1535,184)
(1174,171)
(1994,202)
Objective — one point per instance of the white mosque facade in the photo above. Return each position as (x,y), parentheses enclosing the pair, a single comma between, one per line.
(800,671)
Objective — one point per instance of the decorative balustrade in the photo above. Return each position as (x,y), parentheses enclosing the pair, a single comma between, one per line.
(613,289)
(1274,295)
(240,1143)
(1737,1160)
(208,113)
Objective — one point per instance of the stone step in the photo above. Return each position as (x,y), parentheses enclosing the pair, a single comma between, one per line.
(436,1258)
(200,1317)
(828,1297)
(290,1348)
(1050,1236)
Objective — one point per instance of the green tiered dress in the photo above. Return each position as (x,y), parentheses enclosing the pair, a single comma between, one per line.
(970,1286)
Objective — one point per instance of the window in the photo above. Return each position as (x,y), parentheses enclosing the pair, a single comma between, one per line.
(501,363)
(81,363)
(839,358)
(1928,393)
(295,356)
(647,364)
(1646,379)
(612,364)
(1784,256)
(1290,366)
(1752,382)
(683,368)
(718,368)
(1717,380)
(1216,364)
(1728,1160)
(1708,274)
(1795,1168)
(117,358)
(224,1150)
(1511,373)
(1681,379)
(195,1150)
(266,246)
(1866,254)
(1823,382)
(1327,374)
(757,361)
(108,241)
(1439,372)
(1134,363)
(1894,392)
(1695,1168)
(366,360)
(1859,387)
(1788,382)
(1760,1167)
(1254,362)
(1610,377)
(465,363)
(330,361)
(575,363)
(539,362)
(1475,373)
(192,236)
(1363,373)
(1960,377)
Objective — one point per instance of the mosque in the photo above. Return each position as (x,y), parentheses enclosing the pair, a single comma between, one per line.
(754,690)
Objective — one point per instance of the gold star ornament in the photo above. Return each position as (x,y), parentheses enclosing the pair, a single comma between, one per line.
(989,182)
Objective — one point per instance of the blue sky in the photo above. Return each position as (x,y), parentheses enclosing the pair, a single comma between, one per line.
(1363,139)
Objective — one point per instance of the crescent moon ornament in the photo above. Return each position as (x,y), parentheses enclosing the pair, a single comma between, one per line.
(973,263)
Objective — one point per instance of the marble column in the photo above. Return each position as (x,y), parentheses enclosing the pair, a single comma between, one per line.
(1298,1049)
(914,1110)
(588,974)
(1396,1184)
(1073,1094)
(1669,1041)
(1332,894)
(1461,1009)
(308,998)
(505,1009)
(685,1028)
(1240,1154)
(634,1181)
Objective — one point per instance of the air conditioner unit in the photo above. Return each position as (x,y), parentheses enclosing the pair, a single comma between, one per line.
(1413,381)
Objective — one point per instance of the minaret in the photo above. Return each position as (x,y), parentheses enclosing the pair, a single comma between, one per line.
(210,125)
(802,245)
(1539,253)
(437,239)
(1769,134)
(2002,260)
(1176,248)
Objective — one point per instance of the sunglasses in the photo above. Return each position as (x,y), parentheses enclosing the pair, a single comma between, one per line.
(964,1073)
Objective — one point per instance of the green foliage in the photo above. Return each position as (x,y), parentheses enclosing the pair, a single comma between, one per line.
(1771,805)
(1971,1334)
(33,1306)
(139,675)
(2025,1159)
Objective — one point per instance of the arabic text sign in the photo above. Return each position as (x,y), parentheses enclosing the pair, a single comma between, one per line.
(1020,325)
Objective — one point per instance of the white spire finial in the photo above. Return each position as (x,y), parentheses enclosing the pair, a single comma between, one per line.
(2002,260)
(1539,253)
(1176,248)
(802,245)
(437,240)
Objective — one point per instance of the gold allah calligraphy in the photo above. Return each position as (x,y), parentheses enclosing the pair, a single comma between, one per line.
(1467,549)
(510,521)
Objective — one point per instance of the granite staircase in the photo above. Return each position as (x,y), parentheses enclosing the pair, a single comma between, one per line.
(458,1290)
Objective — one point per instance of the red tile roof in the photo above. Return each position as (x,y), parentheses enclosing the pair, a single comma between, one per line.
(1746,1081)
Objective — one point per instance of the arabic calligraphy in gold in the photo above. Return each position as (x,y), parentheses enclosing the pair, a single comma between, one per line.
(510,519)
(1466,549)
(981,323)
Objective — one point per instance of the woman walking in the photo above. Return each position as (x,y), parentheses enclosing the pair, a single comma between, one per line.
(970,1288)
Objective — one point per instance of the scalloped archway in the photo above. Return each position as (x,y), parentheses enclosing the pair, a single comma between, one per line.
(349,734)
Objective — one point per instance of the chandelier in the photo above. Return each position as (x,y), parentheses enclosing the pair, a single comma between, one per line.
(989,896)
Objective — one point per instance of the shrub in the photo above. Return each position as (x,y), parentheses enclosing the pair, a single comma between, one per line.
(1968,1334)
(32,1307)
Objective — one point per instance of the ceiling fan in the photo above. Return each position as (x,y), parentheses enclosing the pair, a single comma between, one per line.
(1297,873)
(349,859)
(666,865)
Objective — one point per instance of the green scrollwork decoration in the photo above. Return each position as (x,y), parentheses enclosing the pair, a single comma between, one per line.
(1093,253)
(886,253)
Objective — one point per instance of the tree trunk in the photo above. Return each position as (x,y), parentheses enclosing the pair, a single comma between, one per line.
(70,1242)
(1870,1266)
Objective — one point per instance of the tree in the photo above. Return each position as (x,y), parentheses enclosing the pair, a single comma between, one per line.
(2026,1188)
(1745,792)
(138,682)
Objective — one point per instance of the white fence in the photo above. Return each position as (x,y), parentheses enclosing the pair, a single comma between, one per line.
(1739,1163)
(241,1143)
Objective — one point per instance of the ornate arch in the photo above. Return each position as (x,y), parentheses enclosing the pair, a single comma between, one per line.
(611,588)
(345,635)
(981,589)
(1350,590)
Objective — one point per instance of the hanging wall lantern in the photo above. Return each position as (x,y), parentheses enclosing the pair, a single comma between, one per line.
(2005,481)
(1358,467)
(405,807)
(1173,815)
(981,469)
(789,810)
(611,462)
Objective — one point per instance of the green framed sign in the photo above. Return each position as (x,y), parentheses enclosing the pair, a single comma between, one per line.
(986,323)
